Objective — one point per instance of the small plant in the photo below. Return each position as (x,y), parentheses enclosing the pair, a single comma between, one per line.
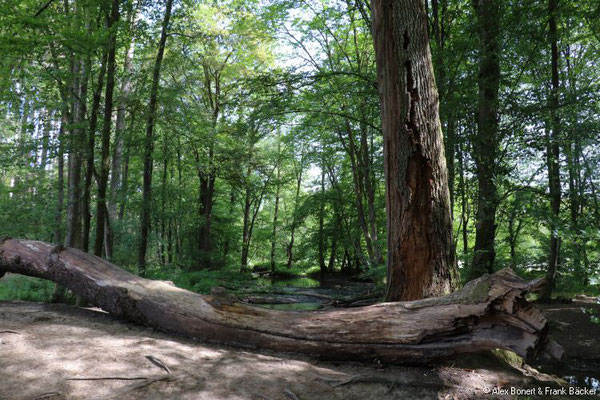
(594,317)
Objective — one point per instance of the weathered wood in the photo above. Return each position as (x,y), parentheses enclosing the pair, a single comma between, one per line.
(487,313)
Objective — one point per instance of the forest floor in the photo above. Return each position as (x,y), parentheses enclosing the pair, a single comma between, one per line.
(43,347)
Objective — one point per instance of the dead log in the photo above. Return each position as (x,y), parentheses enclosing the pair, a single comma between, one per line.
(490,312)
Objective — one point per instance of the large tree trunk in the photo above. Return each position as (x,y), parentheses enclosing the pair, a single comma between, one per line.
(488,313)
(420,249)
(485,143)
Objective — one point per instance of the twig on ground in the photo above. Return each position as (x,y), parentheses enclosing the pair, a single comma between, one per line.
(289,394)
(45,396)
(15,332)
(149,381)
(391,388)
(262,397)
(158,363)
(146,380)
(109,378)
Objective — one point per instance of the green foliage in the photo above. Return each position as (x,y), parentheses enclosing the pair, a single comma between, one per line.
(377,274)
(17,287)
(277,99)
(594,315)
(204,280)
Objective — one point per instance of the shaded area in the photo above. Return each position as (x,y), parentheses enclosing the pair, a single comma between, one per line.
(57,342)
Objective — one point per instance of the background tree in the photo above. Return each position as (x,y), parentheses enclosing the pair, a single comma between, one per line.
(297,135)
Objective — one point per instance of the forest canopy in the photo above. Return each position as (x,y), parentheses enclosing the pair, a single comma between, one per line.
(242,135)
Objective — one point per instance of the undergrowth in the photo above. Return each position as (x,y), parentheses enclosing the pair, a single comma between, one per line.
(19,287)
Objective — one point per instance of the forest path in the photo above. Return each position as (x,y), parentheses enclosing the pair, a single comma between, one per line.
(42,346)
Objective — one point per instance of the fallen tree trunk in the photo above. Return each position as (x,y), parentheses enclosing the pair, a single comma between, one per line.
(487,313)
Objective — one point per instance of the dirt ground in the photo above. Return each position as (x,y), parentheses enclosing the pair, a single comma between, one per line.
(58,352)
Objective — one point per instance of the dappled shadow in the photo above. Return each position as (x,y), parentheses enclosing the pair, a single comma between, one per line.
(55,342)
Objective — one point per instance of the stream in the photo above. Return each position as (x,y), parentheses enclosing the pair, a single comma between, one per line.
(302,293)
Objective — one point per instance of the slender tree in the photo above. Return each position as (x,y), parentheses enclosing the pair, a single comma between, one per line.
(149,142)
(420,248)
(486,141)
(276,210)
(101,209)
(89,172)
(125,90)
(553,154)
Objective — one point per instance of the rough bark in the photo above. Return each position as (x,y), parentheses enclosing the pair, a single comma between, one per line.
(440,35)
(420,249)
(149,143)
(488,313)
(485,142)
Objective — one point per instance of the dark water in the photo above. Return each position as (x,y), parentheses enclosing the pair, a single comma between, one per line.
(306,306)
(300,288)
(583,381)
